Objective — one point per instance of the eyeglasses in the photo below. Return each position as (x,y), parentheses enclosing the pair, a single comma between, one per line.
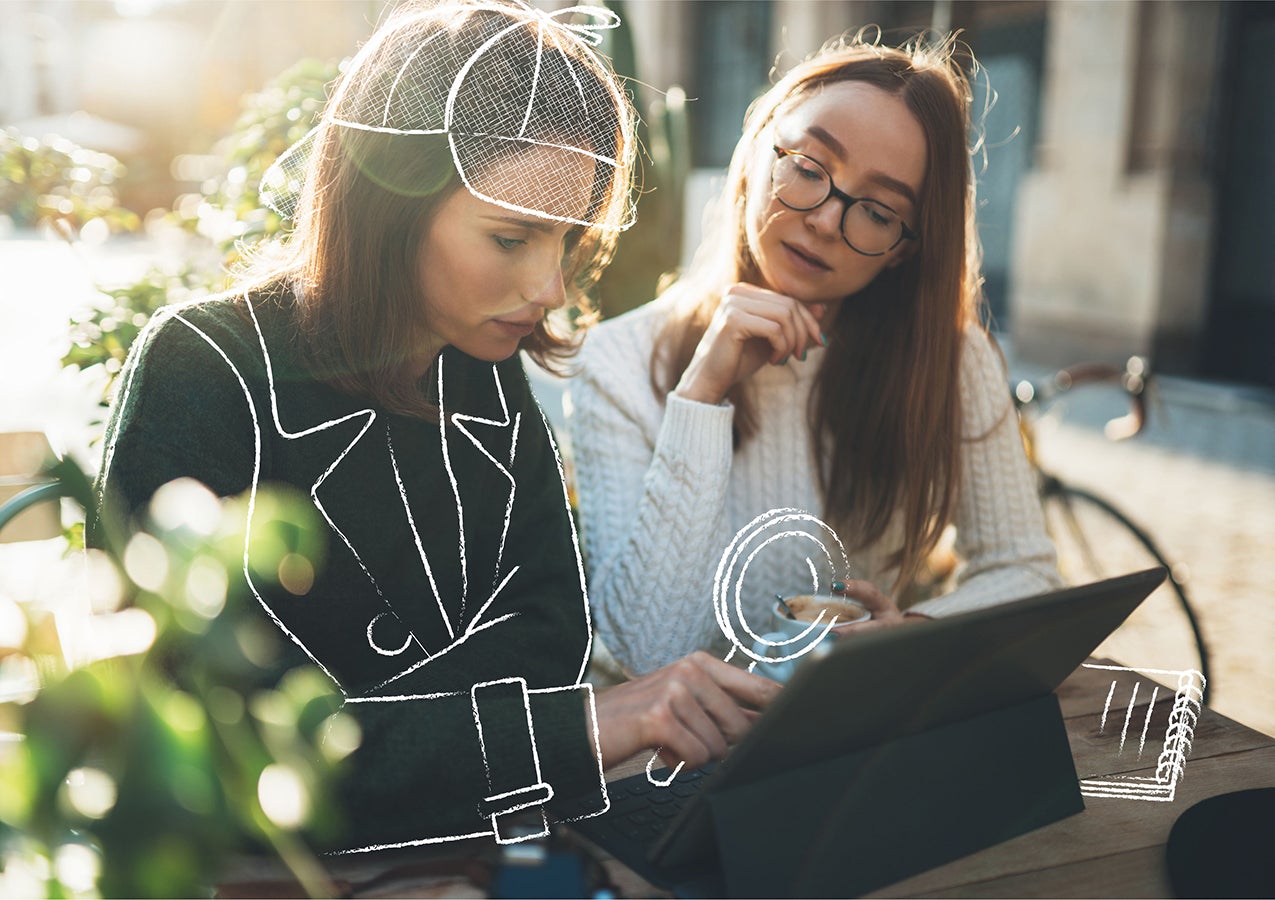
(867,227)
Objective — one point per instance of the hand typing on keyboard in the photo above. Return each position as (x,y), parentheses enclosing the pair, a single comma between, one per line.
(693,710)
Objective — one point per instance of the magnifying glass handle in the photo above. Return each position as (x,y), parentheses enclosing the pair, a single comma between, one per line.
(650,763)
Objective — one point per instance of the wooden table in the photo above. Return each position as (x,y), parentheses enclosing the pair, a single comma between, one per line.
(1116,847)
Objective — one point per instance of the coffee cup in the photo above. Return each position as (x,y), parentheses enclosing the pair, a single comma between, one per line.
(807,608)
(792,637)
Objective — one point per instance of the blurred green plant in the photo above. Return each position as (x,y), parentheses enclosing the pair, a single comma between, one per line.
(54,180)
(102,334)
(652,248)
(227,211)
(230,211)
(136,769)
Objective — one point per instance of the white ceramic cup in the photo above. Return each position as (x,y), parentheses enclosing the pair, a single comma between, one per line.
(790,640)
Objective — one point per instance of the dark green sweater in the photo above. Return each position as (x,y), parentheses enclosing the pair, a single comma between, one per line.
(406,616)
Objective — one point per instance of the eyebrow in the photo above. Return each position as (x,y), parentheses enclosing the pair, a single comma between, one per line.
(533,224)
(899,187)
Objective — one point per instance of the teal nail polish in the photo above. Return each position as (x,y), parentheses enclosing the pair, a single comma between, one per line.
(803,355)
(824,338)
(838,586)
(784,361)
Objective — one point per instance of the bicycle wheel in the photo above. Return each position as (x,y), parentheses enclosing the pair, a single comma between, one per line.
(1096,540)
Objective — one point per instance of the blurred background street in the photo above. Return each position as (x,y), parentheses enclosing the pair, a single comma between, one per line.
(1127,198)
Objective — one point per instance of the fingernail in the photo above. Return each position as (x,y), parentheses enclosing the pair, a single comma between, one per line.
(803,355)
(838,585)
(824,338)
(784,361)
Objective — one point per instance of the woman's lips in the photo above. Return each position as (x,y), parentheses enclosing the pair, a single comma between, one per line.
(806,260)
(518,328)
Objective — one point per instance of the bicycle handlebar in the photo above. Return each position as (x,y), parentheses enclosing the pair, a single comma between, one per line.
(1134,379)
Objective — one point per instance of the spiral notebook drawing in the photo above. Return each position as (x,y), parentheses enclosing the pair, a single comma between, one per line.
(1174,741)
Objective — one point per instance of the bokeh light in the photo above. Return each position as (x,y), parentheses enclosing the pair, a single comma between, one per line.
(225,705)
(206,584)
(185,504)
(341,736)
(77,866)
(146,562)
(296,574)
(283,796)
(101,581)
(90,792)
(13,624)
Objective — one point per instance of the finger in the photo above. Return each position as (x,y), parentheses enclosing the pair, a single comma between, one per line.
(867,594)
(812,322)
(755,691)
(726,715)
(811,314)
(802,324)
(722,707)
(673,758)
(693,680)
(849,631)
(698,724)
(666,729)
(875,625)
(751,319)
(789,313)
(780,310)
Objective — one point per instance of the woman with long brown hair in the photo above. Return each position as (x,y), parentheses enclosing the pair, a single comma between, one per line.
(823,352)
(469,175)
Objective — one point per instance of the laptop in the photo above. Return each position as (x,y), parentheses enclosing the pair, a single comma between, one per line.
(906,680)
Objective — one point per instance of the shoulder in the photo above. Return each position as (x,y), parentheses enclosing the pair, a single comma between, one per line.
(980,354)
(627,335)
(984,382)
(206,351)
(618,351)
(177,330)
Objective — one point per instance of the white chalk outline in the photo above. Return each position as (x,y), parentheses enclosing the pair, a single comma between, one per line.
(727,564)
(551,26)
(721,595)
(474,627)
(1178,737)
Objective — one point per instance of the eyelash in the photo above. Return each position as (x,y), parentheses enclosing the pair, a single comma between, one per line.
(507,244)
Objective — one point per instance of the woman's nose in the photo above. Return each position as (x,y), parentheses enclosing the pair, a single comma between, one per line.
(549,290)
(825,219)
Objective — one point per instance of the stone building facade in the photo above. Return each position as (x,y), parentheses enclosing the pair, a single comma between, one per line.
(1127,178)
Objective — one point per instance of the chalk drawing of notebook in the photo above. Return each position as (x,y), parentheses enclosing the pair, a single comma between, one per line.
(1174,739)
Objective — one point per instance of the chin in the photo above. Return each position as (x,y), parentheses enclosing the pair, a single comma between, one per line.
(798,289)
(491,352)
(489,355)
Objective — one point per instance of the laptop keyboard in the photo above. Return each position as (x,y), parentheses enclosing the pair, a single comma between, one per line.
(640,815)
(640,811)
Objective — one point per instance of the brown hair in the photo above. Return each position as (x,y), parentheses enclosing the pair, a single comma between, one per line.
(370,196)
(893,448)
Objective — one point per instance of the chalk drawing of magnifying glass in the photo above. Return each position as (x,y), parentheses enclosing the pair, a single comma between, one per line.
(728,583)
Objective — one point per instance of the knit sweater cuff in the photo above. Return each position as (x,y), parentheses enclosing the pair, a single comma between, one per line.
(698,434)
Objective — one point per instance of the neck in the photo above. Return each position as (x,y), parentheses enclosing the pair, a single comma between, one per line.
(422,360)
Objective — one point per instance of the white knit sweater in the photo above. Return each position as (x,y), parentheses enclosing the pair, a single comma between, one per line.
(662,494)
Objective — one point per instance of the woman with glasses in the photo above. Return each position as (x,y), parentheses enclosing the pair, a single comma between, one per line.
(467,178)
(824,352)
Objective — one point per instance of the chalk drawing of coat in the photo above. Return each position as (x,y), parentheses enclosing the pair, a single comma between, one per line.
(451,610)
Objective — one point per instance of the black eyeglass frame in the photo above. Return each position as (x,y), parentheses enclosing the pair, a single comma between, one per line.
(906,234)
